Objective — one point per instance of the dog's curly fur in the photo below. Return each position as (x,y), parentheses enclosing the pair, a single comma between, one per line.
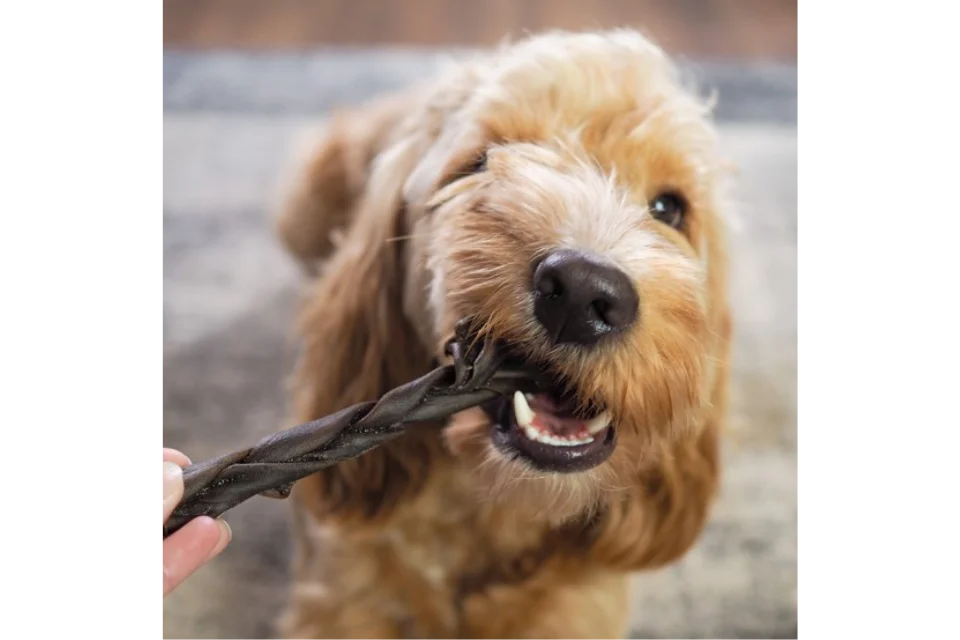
(429,206)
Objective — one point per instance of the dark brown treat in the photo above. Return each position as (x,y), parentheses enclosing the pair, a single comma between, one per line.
(271,467)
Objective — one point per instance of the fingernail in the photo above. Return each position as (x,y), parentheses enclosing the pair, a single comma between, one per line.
(172,477)
(225,536)
(227,533)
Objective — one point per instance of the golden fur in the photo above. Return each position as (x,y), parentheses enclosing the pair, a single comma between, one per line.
(436,534)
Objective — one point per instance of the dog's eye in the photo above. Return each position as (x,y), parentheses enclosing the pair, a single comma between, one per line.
(477,165)
(669,208)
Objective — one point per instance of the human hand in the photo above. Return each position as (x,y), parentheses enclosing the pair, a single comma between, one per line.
(199,541)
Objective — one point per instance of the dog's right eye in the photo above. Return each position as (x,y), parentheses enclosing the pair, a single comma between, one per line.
(669,208)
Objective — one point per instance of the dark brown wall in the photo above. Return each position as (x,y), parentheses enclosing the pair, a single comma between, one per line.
(751,29)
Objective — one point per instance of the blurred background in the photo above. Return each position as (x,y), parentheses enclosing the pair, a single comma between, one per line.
(745,29)
(245,81)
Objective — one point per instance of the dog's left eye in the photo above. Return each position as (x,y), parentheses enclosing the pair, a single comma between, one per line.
(477,165)
(669,208)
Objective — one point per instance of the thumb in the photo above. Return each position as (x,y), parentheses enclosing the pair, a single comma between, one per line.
(172,487)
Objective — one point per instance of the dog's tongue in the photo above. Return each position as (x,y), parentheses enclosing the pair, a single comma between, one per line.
(556,415)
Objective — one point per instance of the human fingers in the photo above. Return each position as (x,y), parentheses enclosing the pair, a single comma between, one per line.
(171,488)
(172,455)
(198,542)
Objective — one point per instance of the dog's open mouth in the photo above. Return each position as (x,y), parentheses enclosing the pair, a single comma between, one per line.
(547,430)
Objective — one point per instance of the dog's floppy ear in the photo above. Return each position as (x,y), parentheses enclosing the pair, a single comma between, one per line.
(357,343)
(662,515)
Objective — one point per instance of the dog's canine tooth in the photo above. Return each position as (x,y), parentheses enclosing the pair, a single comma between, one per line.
(522,410)
(598,424)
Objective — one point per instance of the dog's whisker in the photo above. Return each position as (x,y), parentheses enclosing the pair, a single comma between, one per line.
(411,236)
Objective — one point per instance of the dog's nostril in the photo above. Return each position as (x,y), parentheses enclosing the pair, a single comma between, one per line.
(615,315)
(580,299)
(550,286)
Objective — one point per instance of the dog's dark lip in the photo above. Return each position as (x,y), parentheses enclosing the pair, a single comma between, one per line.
(509,438)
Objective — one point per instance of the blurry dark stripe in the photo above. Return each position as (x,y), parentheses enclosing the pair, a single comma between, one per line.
(313,82)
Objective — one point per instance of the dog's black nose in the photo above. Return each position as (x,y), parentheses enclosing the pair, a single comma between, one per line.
(579,299)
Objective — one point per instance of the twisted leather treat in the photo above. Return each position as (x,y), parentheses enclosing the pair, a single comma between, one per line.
(270,468)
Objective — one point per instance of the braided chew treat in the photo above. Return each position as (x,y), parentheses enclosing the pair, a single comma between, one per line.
(270,468)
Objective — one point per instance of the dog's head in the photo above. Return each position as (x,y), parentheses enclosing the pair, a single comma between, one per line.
(566,193)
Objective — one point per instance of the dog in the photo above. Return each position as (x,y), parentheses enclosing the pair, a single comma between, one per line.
(568,191)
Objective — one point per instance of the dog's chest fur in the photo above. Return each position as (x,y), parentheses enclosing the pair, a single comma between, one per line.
(445,564)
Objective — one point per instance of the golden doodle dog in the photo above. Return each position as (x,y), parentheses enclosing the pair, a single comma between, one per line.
(566,190)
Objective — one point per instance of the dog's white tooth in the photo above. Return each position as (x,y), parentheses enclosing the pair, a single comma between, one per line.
(598,424)
(530,432)
(522,410)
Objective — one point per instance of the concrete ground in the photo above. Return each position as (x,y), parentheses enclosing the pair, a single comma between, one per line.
(231,121)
